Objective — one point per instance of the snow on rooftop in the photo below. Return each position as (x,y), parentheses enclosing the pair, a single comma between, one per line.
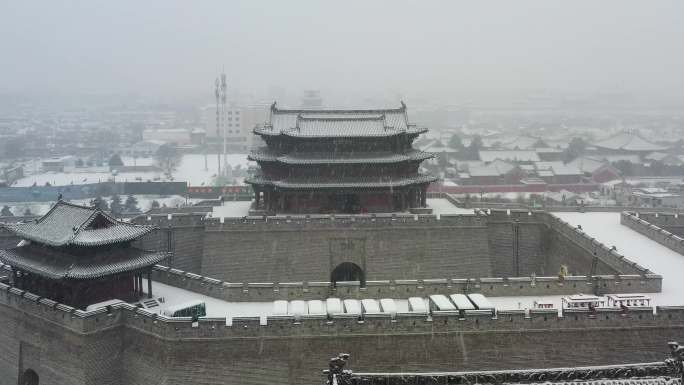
(190,169)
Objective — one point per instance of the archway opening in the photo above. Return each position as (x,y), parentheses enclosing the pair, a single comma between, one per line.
(30,377)
(347,271)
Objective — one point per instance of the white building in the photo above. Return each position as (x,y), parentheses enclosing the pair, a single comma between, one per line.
(239,122)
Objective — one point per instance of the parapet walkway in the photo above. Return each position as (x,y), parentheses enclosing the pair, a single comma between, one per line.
(606,228)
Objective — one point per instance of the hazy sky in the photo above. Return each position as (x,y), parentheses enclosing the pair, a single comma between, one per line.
(447,50)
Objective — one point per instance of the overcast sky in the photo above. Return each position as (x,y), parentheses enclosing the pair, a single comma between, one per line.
(446,50)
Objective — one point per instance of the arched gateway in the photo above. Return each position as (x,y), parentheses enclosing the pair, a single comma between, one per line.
(30,377)
(348,271)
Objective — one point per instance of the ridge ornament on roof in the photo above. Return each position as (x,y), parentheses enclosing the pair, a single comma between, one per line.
(70,224)
(670,371)
(302,123)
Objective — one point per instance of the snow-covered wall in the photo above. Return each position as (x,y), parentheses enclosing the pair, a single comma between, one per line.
(658,227)
(129,345)
(393,247)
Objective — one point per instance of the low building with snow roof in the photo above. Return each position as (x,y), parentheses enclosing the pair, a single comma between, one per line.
(516,156)
(627,142)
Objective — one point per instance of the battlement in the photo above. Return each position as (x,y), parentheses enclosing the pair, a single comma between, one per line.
(641,223)
(86,322)
(492,287)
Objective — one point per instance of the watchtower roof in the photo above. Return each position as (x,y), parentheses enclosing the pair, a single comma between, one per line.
(338,123)
(69,224)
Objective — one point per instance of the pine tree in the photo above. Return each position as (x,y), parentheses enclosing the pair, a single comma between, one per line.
(115,161)
(155,205)
(99,203)
(131,205)
(6,211)
(115,206)
(27,212)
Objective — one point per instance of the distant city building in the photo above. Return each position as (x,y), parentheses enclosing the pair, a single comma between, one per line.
(312,100)
(627,142)
(178,136)
(239,122)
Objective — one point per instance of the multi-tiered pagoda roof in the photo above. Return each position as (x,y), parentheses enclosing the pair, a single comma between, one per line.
(357,156)
(73,249)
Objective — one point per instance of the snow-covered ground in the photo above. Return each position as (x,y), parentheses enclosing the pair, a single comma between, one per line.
(442,206)
(144,203)
(606,228)
(80,176)
(219,308)
(232,209)
(191,169)
(215,307)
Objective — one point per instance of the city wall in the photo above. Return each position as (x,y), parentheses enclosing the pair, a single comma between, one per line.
(402,289)
(128,345)
(657,227)
(504,244)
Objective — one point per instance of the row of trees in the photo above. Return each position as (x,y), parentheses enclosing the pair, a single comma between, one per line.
(576,148)
(6,211)
(117,206)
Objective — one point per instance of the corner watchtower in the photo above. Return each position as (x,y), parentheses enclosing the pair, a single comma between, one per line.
(80,255)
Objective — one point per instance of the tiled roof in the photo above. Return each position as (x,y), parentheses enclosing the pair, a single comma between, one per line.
(317,183)
(524,142)
(496,168)
(587,164)
(558,168)
(338,123)
(510,155)
(628,141)
(54,264)
(69,224)
(264,155)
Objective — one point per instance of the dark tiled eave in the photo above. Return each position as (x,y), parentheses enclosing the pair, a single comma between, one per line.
(294,133)
(296,159)
(331,184)
(54,264)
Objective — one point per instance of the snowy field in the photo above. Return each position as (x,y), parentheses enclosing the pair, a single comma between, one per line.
(144,203)
(219,308)
(232,209)
(442,206)
(606,228)
(190,169)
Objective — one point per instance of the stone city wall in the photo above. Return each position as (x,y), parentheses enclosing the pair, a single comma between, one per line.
(402,289)
(128,345)
(644,224)
(307,248)
(671,222)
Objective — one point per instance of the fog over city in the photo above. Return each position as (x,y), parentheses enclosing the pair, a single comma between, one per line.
(449,52)
(347,192)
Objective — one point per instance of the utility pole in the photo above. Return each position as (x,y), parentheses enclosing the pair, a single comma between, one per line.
(218,117)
